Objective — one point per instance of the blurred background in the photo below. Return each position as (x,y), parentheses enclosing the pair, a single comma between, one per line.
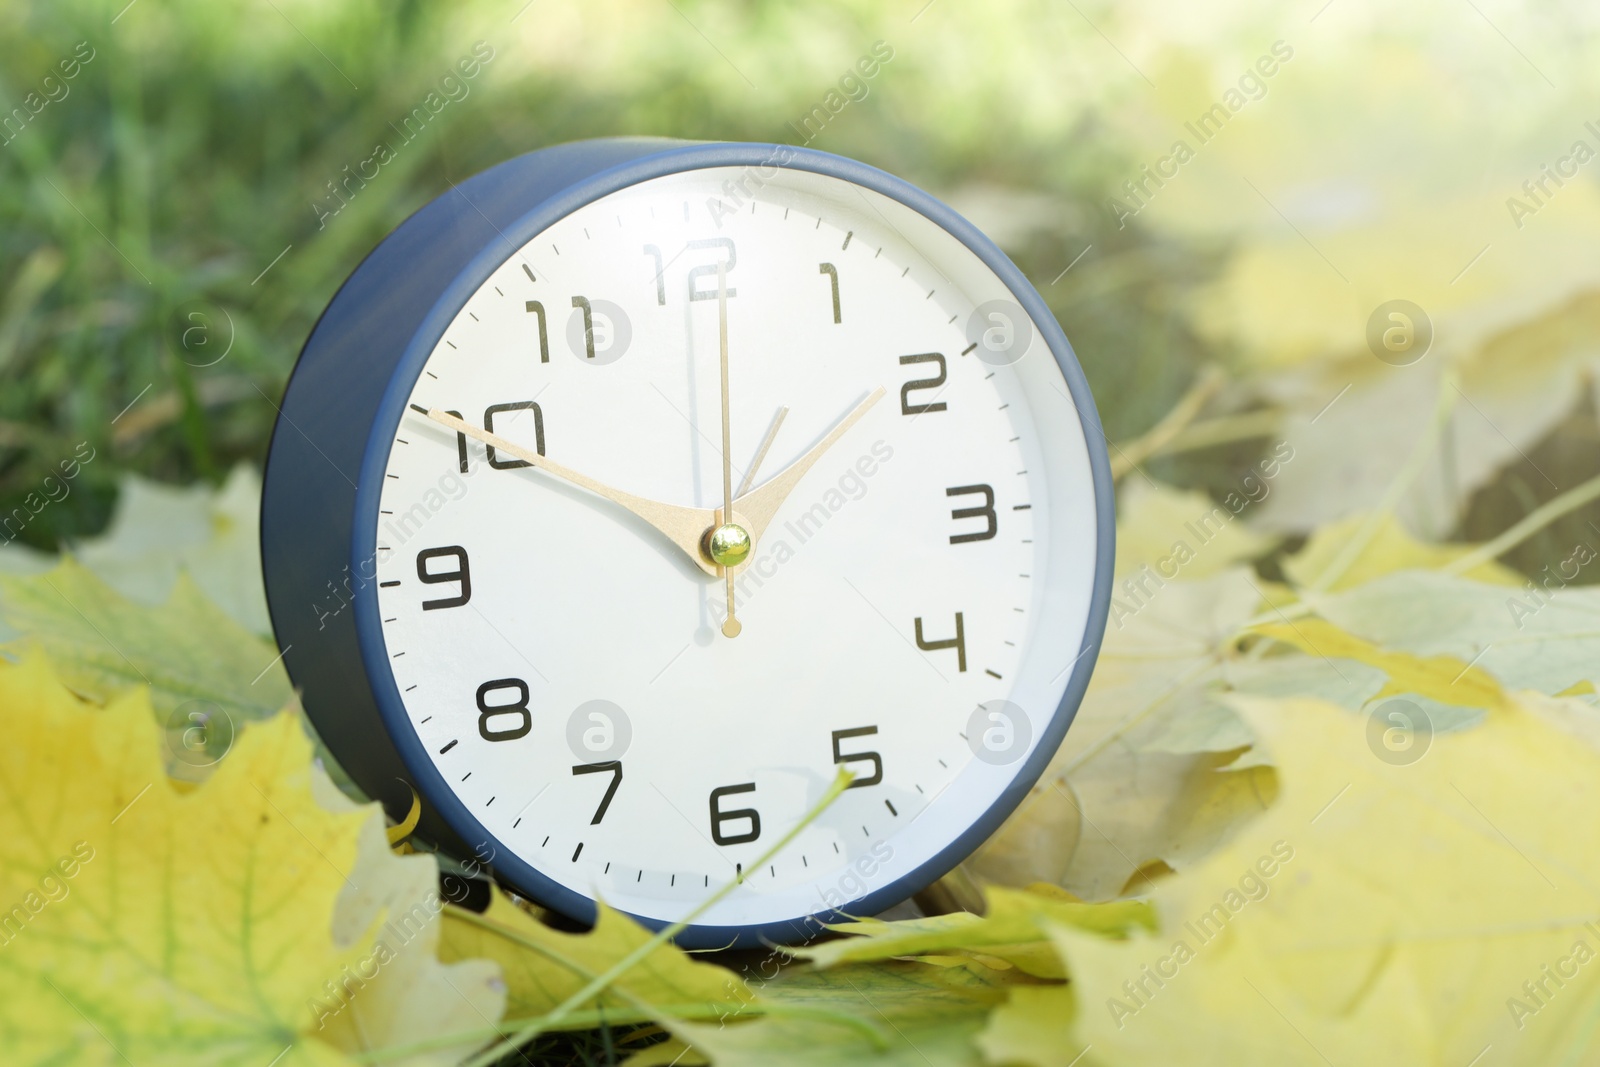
(1217,200)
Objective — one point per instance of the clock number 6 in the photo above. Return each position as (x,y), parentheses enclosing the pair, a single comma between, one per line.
(718,816)
(853,757)
(487,711)
(611,767)
(461,575)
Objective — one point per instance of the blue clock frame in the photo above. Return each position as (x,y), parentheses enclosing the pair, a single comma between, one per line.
(344,402)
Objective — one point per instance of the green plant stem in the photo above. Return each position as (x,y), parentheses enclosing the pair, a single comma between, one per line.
(530,1030)
(1535,521)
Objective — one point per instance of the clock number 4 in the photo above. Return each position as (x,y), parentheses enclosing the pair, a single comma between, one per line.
(498,713)
(718,816)
(462,576)
(906,406)
(611,767)
(958,642)
(985,511)
(840,756)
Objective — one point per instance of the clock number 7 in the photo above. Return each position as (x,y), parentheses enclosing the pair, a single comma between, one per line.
(611,767)
(854,757)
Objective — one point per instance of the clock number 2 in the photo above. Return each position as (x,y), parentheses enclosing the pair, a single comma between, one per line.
(857,757)
(611,767)
(718,816)
(906,406)
(462,575)
(519,709)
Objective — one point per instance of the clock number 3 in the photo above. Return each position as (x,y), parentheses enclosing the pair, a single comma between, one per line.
(718,816)
(518,710)
(611,767)
(958,642)
(985,511)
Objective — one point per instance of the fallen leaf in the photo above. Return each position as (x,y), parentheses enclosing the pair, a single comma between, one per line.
(239,921)
(544,966)
(1380,912)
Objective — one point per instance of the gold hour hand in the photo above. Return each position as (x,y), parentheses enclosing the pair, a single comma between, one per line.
(684,527)
(760,504)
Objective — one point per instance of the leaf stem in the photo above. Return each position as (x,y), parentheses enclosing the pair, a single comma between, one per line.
(562,1011)
(1535,521)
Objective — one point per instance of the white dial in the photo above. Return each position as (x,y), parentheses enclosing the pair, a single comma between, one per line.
(558,635)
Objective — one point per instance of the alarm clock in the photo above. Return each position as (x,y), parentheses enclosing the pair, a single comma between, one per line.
(630,487)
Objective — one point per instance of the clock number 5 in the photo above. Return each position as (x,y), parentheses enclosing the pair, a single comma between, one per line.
(611,767)
(984,511)
(519,709)
(718,816)
(462,575)
(906,406)
(958,642)
(855,757)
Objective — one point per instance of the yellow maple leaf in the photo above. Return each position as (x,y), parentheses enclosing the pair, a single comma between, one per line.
(1414,913)
(257,918)
(543,967)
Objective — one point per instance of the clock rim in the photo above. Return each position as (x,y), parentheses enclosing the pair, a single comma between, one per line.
(454,294)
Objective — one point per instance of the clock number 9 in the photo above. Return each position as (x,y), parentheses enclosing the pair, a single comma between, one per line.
(461,575)
(487,711)
(718,816)
(855,757)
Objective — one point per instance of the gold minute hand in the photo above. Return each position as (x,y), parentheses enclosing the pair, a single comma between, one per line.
(761,504)
(682,526)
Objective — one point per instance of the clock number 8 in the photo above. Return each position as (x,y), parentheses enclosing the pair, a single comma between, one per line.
(718,816)
(487,711)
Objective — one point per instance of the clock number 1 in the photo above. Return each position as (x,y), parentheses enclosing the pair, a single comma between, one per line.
(718,816)
(833,278)
(611,767)
(519,709)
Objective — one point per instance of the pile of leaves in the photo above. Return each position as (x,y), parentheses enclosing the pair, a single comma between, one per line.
(1286,827)
(1331,796)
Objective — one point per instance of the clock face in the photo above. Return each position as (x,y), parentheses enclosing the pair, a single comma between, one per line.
(913,603)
